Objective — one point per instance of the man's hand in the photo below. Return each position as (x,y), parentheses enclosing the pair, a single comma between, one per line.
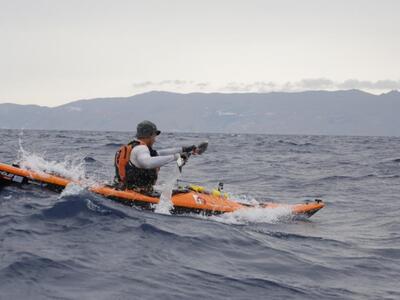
(185,156)
(182,159)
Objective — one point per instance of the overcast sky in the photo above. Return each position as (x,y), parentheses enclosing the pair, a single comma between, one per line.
(53,51)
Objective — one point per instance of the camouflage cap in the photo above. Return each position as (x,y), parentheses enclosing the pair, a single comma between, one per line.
(146,129)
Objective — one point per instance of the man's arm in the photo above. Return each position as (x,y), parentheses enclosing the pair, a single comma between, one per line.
(140,157)
(180,150)
(169,151)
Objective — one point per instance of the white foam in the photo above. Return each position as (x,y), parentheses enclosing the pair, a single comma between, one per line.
(255,215)
(70,167)
(165,205)
(72,189)
(96,208)
(243,199)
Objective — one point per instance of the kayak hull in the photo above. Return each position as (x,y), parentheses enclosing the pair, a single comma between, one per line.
(184,201)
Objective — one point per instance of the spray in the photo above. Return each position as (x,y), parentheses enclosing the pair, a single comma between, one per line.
(165,205)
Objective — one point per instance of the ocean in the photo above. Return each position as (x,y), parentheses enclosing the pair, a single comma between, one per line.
(77,245)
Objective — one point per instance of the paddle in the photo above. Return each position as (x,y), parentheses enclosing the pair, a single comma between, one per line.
(198,150)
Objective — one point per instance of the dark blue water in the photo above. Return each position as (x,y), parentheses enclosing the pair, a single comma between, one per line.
(81,246)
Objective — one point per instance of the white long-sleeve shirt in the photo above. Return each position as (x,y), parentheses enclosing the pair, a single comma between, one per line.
(140,157)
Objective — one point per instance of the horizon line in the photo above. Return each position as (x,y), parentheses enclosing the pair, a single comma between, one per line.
(207,93)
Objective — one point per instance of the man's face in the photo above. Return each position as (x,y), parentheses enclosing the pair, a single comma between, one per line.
(153,139)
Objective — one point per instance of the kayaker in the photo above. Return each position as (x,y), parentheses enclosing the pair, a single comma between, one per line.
(137,164)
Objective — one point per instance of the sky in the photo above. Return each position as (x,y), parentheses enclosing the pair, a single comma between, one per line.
(53,51)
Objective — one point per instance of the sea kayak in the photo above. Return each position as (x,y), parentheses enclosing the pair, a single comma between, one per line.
(188,199)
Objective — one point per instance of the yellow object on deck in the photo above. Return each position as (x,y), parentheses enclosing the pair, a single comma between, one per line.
(197,188)
(217,193)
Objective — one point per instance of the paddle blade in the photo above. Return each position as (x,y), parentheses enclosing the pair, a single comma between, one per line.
(201,148)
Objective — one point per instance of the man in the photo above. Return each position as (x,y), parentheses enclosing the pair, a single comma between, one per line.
(137,164)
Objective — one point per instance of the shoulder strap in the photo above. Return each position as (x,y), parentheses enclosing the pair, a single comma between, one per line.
(121,160)
(136,142)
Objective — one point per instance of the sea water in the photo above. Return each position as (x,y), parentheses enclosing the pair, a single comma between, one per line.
(78,245)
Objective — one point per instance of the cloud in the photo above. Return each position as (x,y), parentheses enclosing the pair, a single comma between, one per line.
(316,83)
(377,85)
(186,86)
(143,85)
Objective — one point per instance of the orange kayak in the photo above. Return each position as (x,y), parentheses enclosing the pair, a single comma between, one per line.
(191,199)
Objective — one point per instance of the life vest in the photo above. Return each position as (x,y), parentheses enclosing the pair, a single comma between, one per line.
(127,175)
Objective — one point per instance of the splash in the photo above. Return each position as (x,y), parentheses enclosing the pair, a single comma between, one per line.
(165,205)
(71,167)
(242,198)
(256,215)
(96,208)
(72,189)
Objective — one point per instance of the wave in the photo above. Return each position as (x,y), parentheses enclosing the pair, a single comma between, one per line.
(290,143)
(390,162)
(392,253)
(389,176)
(21,277)
(357,178)
(79,207)
(29,264)
(299,237)
(344,177)
(89,159)
(154,230)
(113,145)
(258,285)
(71,207)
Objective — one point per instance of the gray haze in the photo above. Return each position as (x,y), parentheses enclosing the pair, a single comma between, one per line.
(350,112)
(55,51)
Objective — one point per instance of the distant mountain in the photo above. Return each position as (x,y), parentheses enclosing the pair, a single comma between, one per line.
(351,112)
